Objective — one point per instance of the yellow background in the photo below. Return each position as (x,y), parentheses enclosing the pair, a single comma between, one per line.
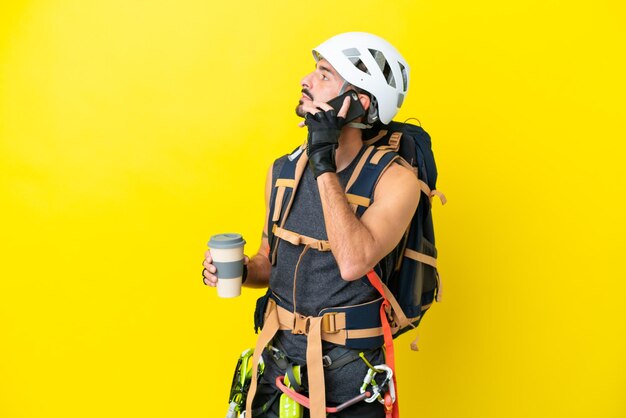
(130,131)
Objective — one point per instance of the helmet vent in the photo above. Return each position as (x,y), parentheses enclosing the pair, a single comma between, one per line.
(400,100)
(405,78)
(353,55)
(383,65)
(351,52)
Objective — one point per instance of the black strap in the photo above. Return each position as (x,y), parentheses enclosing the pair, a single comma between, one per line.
(292,379)
(279,357)
(336,358)
(340,356)
(267,405)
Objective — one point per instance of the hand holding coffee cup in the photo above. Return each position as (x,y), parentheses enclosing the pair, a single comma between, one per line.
(209,271)
(224,264)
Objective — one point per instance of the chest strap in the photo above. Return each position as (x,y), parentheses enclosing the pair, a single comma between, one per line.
(298,239)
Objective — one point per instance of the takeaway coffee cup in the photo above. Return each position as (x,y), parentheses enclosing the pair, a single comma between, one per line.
(227,254)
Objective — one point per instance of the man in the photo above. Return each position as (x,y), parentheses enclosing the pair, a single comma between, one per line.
(306,279)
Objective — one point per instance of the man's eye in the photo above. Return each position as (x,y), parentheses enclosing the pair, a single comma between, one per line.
(324,77)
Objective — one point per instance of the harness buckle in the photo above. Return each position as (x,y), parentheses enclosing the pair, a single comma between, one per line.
(329,325)
(319,246)
(301,324)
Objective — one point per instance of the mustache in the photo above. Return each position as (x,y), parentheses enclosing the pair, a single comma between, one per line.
(307,93)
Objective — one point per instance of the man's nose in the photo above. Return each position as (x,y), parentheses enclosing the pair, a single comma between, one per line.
(306,81)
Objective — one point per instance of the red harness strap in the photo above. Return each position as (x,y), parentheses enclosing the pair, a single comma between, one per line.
(306,402)
(389,353)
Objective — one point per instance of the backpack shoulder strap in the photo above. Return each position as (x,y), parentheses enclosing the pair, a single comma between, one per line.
(283,192)
(371,166)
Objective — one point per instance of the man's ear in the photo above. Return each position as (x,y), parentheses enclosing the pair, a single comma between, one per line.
(365,101)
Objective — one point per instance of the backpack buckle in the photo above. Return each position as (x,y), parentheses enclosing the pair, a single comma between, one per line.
(301,324)
(321,246)
(329,325)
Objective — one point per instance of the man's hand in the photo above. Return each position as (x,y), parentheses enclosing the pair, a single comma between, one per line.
(208,273)
(324,130)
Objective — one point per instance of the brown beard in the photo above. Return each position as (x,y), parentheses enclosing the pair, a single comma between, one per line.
(299,111)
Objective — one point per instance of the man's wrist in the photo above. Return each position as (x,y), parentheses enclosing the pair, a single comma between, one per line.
(322,176)
(322,160)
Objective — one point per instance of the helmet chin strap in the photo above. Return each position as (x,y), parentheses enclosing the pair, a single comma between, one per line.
(343,88)
(358,125)
(372,114)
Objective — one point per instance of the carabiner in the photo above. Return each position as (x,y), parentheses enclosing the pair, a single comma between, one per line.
(369,380)
(388,382)
(376,388)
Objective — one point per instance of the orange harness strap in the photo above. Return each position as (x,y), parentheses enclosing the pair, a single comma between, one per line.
(390,357)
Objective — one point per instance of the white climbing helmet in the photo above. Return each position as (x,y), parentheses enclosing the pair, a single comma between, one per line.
(347,51)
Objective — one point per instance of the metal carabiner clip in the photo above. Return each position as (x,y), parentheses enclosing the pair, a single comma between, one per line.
(369,380)
(378,389)
(387,382)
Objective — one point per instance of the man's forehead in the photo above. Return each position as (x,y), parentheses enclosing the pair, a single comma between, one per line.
(324,65)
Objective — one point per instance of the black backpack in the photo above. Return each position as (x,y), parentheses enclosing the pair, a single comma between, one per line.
(414,282)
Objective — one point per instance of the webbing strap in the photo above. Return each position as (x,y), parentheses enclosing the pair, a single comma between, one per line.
(270,328)
(300,167)
(440,195)
(299,170)
(439,289)
(358,200)
(317,388)
(295,281)
(360,189)
(421,257)
(333,326)
(432,193)
(376,138)
(379,155)
(399,316)
(404,163)
(282,185)
(285,183)
(394,140)
(359,167)
(278,203)
(390,357)
(424,187)
(298,239)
